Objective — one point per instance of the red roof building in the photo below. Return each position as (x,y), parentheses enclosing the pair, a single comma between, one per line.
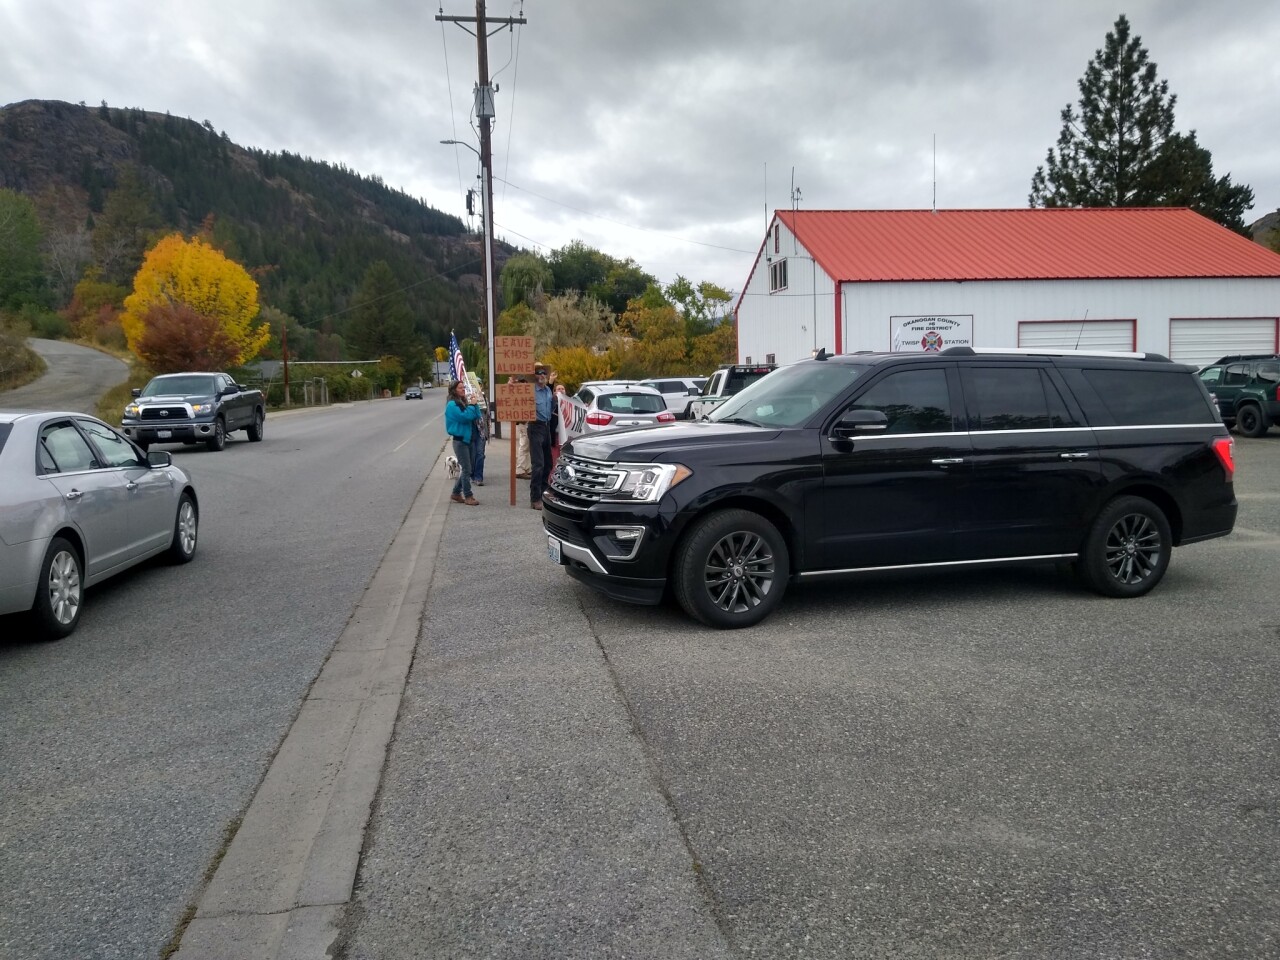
(1162,280)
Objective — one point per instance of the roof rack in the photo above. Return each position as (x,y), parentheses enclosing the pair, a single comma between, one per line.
(1051,352)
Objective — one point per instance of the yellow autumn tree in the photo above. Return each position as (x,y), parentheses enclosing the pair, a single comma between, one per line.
(190,279)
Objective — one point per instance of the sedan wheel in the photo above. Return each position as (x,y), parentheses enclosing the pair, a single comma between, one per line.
(61,591)
(732,570)
(183,546)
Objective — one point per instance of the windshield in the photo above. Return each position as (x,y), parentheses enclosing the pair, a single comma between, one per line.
(790,395)
(186,386)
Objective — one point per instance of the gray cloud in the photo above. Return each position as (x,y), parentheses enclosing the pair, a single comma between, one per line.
(658,118)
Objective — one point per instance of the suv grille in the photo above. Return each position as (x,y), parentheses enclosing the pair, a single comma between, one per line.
(585,479)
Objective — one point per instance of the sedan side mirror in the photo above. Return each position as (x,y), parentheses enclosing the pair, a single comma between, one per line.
(860,421)
(159,458)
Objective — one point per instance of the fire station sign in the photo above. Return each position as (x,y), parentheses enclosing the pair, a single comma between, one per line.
(930,334)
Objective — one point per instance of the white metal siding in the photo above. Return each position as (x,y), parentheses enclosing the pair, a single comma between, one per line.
(790,323)
(1077,334)
(1200,342)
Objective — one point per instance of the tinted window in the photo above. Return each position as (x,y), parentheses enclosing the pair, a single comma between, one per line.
(1135,397)
(63,450)
(738,379)
(187,385)
(585,396)
(631,403)
(915,401)
(1237,375)
(1269,372)
(1211,375)
(115,449)
(5,428)
(1013,398)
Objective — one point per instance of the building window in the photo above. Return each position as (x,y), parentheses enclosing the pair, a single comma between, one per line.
(777,233)
(777,275)
(770,358)
(748,361)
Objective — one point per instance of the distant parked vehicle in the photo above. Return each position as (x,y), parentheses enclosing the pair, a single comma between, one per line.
(1247,391)
(676,391)
(413,393)
(723,384)
(615,407)
(79,502)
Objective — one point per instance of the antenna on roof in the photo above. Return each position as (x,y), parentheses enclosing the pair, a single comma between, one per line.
(1080,335)
(795,205)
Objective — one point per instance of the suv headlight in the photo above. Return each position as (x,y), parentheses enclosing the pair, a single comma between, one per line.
(647,482)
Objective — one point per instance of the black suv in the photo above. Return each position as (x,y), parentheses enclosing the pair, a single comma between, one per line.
(847,464)
(1247,390)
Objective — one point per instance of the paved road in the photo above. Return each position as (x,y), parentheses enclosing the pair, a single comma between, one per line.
(76,378)
(985,765)
(128,749)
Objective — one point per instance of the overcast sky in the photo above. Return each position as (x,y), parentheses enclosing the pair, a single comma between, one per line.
(661,130)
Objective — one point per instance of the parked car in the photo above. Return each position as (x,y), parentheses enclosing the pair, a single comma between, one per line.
(836,466)
(1247,391)
(723,384)
(676,391)
(413,393)
(192,408)
(613,407)
(80,502)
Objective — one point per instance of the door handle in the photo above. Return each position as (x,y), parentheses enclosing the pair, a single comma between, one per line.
(131,485)
(947,461)
(74,495)
(1074,456)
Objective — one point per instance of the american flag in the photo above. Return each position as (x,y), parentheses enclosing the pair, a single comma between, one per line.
(457,369)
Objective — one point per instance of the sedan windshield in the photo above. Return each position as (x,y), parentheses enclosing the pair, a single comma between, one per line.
(789,396)
(186,386)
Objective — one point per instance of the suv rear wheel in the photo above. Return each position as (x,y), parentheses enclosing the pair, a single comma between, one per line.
(1127,550)
(732,569)
(1249,422)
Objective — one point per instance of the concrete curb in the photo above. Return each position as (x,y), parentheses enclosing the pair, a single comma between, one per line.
(287,877)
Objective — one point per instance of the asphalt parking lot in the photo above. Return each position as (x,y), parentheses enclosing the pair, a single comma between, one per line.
(987,764)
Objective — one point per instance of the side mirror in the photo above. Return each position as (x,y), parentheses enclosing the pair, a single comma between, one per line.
(859,421)
(136,392)
(159,458)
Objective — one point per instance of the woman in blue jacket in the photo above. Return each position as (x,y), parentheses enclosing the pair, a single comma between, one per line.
(459,420)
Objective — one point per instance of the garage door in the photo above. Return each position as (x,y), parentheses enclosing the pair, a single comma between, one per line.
(1076,334)
(1199,342)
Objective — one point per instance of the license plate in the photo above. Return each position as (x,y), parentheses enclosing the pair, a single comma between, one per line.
(164,434)
(553,548)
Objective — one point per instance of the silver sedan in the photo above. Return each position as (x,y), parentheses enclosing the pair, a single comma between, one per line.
(79,502)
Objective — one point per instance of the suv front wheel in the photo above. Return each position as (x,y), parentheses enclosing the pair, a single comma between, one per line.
(1127,550)
(1249,422)
(732,569)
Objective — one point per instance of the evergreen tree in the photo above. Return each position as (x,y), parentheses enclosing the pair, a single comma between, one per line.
(1118,148)
(381,323)
(21,265)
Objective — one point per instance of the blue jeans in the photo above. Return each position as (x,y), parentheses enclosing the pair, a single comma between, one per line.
(462,450)
(477,455)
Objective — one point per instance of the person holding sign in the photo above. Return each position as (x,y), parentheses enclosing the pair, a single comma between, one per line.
(548,420)
(460,418)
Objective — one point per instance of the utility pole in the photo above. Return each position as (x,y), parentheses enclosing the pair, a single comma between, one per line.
(484,113)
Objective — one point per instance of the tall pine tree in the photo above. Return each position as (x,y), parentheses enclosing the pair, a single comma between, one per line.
(1117,147)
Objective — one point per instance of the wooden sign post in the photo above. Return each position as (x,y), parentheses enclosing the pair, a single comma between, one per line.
(513,357)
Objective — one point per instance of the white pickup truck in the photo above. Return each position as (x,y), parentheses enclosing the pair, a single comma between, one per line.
(724,383)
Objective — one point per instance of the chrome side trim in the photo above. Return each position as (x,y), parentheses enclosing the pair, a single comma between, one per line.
(582,555)
(944,563)
(1006,433)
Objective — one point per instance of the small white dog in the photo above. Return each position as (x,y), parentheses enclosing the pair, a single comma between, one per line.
(451,464)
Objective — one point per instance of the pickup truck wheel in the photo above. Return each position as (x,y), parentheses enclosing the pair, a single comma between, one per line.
(731,570)
(59,592)
(185,528)
(254,430)
(1249,422)
(1127,550)
(219,438)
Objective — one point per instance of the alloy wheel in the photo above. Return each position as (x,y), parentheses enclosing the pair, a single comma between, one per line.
(65,589)
(1133,548)
(739,571)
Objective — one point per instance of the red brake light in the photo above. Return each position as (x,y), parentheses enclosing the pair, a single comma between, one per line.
(666,416)
(598,419)
(1225,447)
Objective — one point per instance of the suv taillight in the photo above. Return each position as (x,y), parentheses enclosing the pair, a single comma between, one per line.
(666,417)
(598,419)
(1225,448)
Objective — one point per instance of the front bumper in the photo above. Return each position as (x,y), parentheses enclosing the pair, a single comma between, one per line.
(619,549)
(168,432)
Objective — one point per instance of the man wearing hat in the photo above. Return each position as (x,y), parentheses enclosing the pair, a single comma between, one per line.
(540,431)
